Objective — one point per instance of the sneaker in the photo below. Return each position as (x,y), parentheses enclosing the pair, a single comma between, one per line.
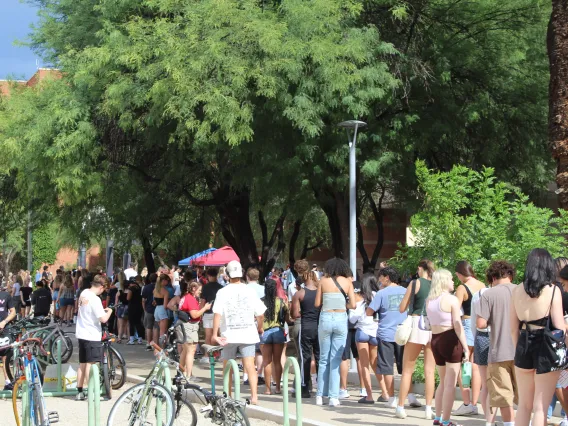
(393,402)
(564,422)
(319,400)
(475,411)
(261,381)
(463,410)
(81,396)
(148,347)
(8,387)
(400,413)
(246,383)
(130,342)
(204,361)
(436,422)
(364,400)
(140,341)
(413,402)
(428,414)
(343,394)
(363,392)
(382,398)
(334,402)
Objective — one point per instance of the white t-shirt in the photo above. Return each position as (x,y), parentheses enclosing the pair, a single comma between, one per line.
(88,322)
(176,278)
(238,305)
(130,273)
(258,288)
(177,289)
(16,289)
(362,321)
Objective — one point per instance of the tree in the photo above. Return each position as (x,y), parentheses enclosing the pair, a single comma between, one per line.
(558,94)
(469,215)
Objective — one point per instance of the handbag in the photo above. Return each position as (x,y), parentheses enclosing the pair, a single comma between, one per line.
(554,344)
(424,322)
(404,329)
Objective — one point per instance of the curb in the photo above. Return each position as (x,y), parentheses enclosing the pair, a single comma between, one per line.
(254,411)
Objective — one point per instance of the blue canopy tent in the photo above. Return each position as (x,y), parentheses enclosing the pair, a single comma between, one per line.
(186,261)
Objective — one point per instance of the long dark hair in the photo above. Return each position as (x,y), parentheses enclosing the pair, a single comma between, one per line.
(371,281)
(336,267)
(270,298)
(540,271)
(367,288)
(464,268)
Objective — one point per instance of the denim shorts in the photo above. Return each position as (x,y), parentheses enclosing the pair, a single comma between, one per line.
(362,337)
(67,302)
(160,313)
(273,336)
(232,350)
(466,322)
(53,296)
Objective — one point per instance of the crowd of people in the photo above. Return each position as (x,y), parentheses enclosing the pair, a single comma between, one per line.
(513,335)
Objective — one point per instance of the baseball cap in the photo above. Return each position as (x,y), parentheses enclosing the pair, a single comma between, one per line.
(234,269)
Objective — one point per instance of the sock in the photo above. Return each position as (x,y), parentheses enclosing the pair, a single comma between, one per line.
(314,378)
(427,407)
(508,423)
(79,389)
(488,424)
(245,377)
(437,418)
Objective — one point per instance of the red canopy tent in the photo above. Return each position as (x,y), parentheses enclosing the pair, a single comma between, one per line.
(219,257)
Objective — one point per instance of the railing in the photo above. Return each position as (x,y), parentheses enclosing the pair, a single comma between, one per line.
(94,396)
(232,365)
(291,361)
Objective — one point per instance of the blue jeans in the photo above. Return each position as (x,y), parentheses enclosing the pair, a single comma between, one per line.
(332,336)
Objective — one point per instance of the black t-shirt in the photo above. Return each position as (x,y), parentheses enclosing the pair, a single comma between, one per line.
(112,295)
(6,303)
(135,302)
(26,293)
(148,294)
(209,293)
(41,298)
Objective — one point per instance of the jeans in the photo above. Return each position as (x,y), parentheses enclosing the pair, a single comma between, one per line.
(332,335)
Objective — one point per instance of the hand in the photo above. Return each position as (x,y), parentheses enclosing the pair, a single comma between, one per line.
(466,355)
(2,325)
(260,331)
(207,306)
(221,340)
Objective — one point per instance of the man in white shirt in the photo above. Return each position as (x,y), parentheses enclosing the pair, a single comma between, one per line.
(236,308)
(252,281)
(90,315)
(130,272)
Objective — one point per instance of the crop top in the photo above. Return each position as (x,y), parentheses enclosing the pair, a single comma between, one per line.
(436,315)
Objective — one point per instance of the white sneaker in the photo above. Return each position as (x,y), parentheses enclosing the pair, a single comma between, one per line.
(343,394)
(429,415)
(363,392)
(413,402)
(476,411)
(319,400)
(400,413)
(463,410)
(334,402)
(393,402)
(564,422)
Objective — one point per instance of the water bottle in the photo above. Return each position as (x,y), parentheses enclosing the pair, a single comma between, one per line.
(466,374)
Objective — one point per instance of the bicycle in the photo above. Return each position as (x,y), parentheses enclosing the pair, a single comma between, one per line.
(149,402)
(113,365)
(31,376)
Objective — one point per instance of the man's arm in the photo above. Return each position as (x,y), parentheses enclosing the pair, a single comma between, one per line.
(10,317)
(106,316)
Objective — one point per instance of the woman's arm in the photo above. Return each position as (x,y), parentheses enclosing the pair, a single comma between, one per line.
(556,312)
(352,303)
(296,305)
(319,296)
(198,313)
(458,327)
(116,300)
(128,295)
(172,304)
(514,319)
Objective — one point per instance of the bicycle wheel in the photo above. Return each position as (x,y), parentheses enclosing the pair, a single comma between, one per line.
(234,415)
(17,405)
(117,366)
(143,405)
(66,348)
(185,414)
(106,381)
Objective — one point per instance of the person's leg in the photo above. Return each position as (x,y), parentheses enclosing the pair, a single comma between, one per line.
(324,339)
(189,349)
(526,386)
(283,356)
(484,396)
(363,349)
(266,350)
(373,353)
(208,336)
(82,372)
(475,381)
(305,355)
(277,351)
(248,365)
(163,328)
(343,373)
(544,386)
(440,391)
(560,397)
(450,380)
(131,326)
(411,353)
(429,373)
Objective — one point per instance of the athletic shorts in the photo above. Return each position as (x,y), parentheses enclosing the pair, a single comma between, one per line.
(149,320)
(362,337)
(208,320)
(388,354)
(90,351)
(187,332)
(447,348)
(350,345)
(232,350)
(481,348)
(501,383)
(273,336)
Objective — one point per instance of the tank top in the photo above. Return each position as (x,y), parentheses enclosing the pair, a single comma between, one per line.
(310,314)
(421,296)
(436,315)
(333,301)
(159,301)
(123,297)
(466,304)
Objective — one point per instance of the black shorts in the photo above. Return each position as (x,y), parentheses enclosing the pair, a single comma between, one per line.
(27,303)
(350,345)
(388,354)
(90,351)
(447,348)
(531,352)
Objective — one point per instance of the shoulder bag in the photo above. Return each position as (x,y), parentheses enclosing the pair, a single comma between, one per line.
(404,329)
(554,344)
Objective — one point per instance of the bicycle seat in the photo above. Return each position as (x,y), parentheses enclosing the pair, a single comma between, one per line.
(210,349)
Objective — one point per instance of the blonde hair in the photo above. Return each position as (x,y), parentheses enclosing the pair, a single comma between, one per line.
(441,279)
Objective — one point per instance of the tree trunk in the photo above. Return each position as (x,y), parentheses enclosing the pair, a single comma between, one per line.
(148,254)
(558,94)
(336,207)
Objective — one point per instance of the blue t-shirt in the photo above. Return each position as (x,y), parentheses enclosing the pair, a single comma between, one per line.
(387,302)
(148,294)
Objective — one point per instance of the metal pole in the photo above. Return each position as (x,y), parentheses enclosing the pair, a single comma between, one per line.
(232,367)
(353,204)
(30,258)
(291,361)
(83,255)
(110,258)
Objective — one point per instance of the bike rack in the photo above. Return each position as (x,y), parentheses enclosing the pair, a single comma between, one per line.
(291,361)
(232,365)
(94,396)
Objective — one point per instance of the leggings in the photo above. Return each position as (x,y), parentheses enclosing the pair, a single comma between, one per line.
(135,323)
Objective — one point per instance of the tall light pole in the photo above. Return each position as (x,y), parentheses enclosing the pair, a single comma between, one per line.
(352,126)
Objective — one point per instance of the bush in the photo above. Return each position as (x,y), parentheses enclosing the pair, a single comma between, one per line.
(418,375)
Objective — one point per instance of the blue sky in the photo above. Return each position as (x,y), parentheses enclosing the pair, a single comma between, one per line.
(15,20)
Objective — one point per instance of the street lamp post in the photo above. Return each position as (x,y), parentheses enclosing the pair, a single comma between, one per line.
(354,125)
